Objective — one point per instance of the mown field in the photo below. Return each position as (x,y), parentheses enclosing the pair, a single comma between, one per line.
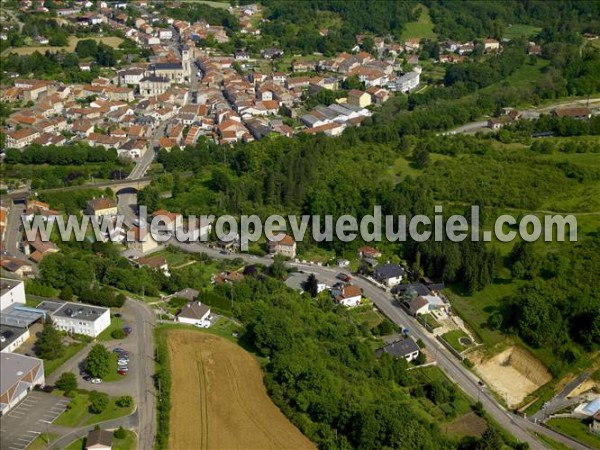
(113,41)
(218,398)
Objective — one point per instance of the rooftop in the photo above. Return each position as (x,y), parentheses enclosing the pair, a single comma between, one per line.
(13,368)
(400,348)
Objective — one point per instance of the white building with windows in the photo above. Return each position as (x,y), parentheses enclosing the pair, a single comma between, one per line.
(11,292)
(77,318)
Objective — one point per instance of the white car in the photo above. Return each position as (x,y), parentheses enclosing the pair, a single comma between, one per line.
(96,380)
(203,325)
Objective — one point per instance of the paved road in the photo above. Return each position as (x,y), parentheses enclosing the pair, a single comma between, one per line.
(78,433)
(144,324)
(468,382)
(12,236)
(474,127)
(142,164)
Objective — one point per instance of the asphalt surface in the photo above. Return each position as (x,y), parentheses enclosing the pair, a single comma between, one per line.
(30,418)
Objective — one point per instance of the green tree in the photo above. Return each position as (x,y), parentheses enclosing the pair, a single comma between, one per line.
(421,158)
(98,402)
(120,433)
(312,285)
(97,362)
(125,401)
(66,294)
(49,344)
(67,382)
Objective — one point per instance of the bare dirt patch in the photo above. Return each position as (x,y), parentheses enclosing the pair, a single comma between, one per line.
(469,424)
(219,400)
(514,374)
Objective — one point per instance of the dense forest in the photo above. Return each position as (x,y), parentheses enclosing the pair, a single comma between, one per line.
(296,25)
(323,373)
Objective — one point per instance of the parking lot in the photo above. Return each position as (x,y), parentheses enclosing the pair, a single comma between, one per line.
(29,419)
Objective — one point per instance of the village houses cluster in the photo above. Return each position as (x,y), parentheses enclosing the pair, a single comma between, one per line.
(185,92)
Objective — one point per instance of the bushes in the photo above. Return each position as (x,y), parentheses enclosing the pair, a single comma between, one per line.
(125,401)
(98,402)
(118,334)
(162,379)
(67,382)
(120,433)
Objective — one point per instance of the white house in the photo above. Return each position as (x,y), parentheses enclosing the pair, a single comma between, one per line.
(11,292)
(389,274)
(194,313)
(407,82)
(347,295)
(77,318)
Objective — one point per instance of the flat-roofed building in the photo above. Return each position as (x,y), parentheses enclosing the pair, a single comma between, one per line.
(77,318)
(11,292)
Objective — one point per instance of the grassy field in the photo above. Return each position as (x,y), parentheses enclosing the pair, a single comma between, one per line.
(128,443)
(576,429)
(422,28)
(550,443)
(70,351)
(112,41)
(430,320)
(79,415)
(520,30)
(366,314)
(453,338)
(115,324)
(41,442)
(222,5)
(218,399)
(475,309)
(469,424)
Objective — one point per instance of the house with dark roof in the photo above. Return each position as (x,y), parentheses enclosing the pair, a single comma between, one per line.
(405,348)
(99,440)
(389,274)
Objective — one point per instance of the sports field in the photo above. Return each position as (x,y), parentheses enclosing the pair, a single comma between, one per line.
(218,398)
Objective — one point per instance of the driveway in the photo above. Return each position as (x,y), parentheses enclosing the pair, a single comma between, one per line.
(29,419)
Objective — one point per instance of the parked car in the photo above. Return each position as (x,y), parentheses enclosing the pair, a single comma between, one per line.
(96,380)
(122,371)
(127,330)
(118,350)
(123,362)
(343,277)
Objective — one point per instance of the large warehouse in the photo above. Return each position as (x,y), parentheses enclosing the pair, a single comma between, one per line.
(19,374)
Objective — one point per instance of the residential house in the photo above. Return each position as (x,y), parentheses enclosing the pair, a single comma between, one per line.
(404,348)
(359,98)
(103,206)
(491,45)
(389,274)
(156,263)
(140,240)
(368,252)
(21,138)
(194,313)
(346,294)
(574,113)
(99,440)
(285,246)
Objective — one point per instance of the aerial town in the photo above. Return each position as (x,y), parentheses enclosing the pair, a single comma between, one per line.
(118,334)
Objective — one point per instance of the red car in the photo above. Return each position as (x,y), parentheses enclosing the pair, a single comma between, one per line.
(122,372)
